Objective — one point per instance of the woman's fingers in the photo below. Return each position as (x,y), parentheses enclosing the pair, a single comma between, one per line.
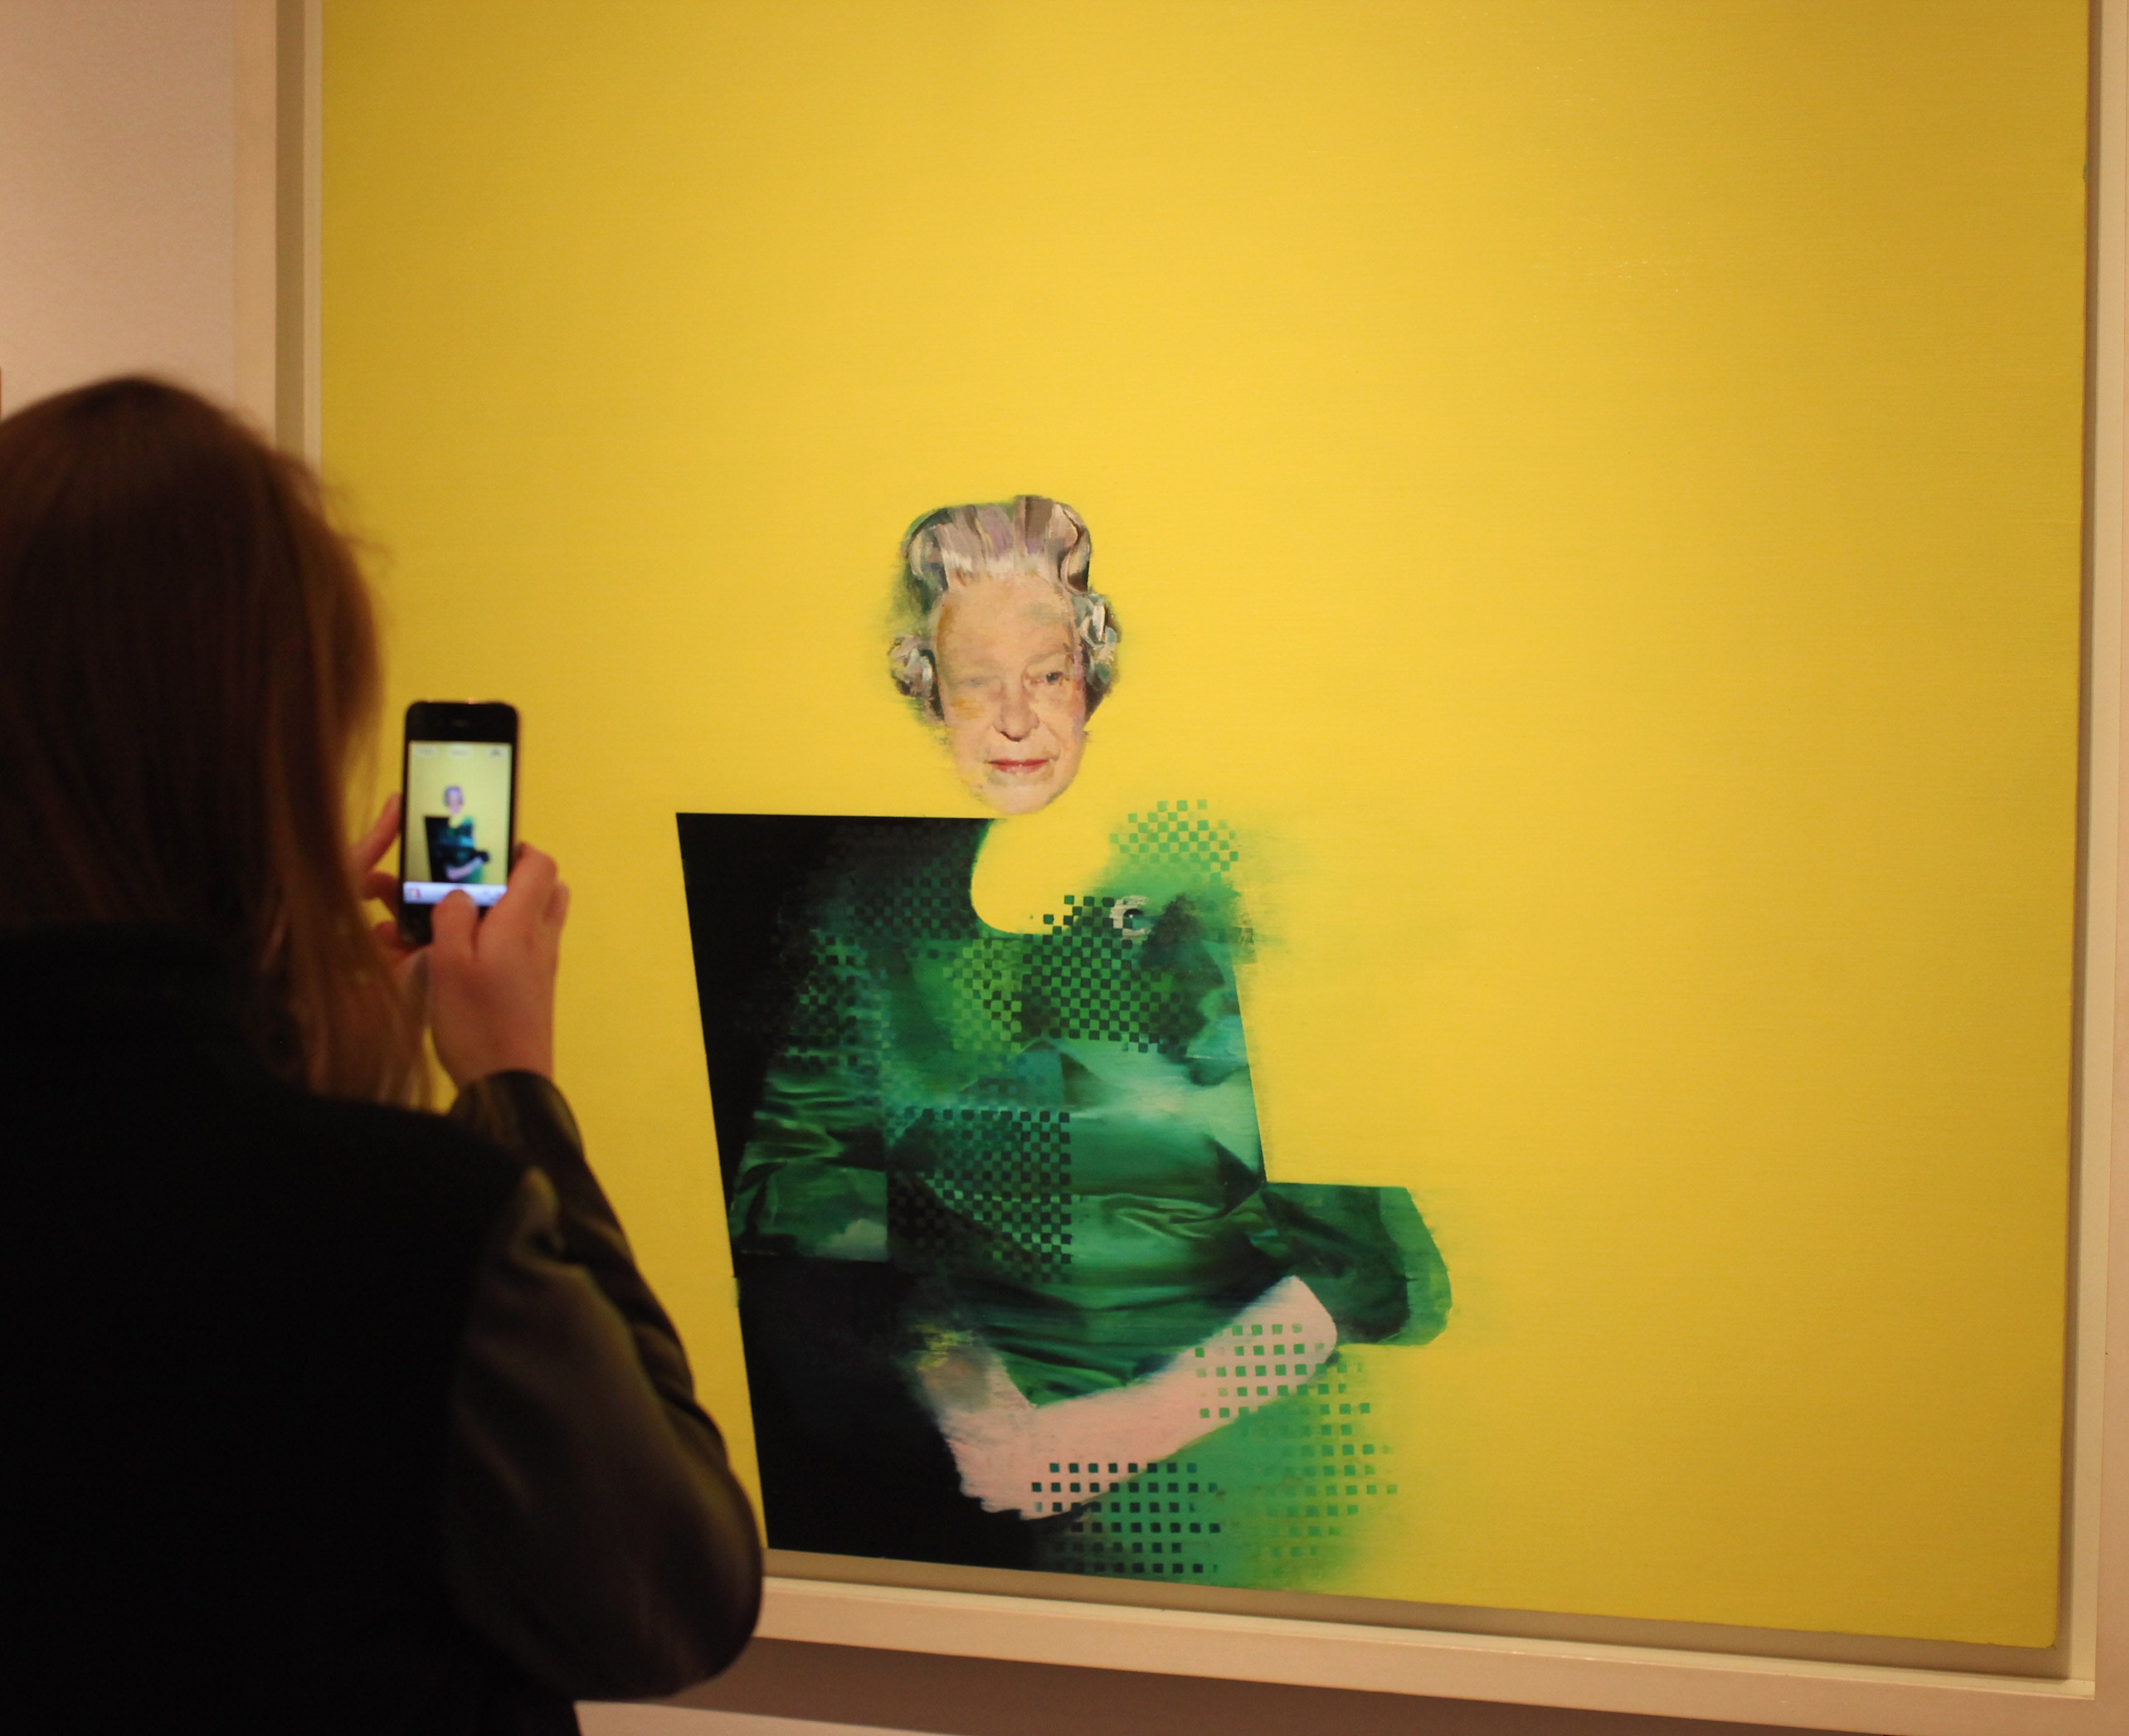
(533,877)
(370,848)
(547,894)
(528,909)
(390,941)
(384,888)
(492,979)
(452,927)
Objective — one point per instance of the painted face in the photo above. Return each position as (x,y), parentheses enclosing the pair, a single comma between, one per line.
(1012,692)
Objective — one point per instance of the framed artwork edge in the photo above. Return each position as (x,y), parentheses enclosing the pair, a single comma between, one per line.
(1594,1677)
(279,93)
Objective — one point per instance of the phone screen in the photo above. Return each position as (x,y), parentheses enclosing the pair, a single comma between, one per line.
(457,826)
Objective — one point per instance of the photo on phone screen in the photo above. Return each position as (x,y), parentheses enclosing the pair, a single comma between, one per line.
(458,822)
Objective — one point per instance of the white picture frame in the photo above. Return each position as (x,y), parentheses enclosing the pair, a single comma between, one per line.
(2090,1698)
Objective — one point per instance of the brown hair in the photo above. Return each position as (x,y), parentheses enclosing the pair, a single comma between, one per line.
(187,657)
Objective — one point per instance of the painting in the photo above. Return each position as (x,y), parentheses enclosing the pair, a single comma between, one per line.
(1413,666)
(1010,1262)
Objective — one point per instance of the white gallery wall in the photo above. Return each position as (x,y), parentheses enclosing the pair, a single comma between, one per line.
(118,166)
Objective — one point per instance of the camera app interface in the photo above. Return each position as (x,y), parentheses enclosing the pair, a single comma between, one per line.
(458,820)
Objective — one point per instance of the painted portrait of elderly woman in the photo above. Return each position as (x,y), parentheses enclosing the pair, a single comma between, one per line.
(1010,1264)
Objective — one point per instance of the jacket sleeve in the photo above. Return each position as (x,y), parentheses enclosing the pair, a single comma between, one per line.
(592,1528)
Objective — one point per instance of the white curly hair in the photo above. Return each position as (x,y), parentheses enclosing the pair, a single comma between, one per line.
(1029,536)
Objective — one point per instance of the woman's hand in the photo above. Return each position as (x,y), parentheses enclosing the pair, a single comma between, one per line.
(492,980)
(372,882)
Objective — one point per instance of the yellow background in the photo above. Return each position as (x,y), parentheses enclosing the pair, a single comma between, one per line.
(1591,491)
(484,777)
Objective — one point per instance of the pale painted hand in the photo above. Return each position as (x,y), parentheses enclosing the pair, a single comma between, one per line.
(1004,1446)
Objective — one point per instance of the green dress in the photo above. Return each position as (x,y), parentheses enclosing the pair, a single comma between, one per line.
(1055,1131)
(452,846)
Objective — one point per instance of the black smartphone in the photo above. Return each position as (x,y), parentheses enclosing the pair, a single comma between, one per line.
(458,807)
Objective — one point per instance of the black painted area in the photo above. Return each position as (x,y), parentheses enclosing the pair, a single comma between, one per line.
(851,1462)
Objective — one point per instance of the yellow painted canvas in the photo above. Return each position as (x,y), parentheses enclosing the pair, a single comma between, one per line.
(1588,500)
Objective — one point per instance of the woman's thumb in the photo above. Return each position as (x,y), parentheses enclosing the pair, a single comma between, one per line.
(451,929)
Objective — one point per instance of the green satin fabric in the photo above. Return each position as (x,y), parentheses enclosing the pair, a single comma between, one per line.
(1056,1131)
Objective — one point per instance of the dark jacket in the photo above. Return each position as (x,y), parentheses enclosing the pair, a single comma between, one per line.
(322,1415)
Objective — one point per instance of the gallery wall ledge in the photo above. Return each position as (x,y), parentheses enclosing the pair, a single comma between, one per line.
(1448,1665)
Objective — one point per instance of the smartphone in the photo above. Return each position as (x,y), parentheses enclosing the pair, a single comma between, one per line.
(458,807)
